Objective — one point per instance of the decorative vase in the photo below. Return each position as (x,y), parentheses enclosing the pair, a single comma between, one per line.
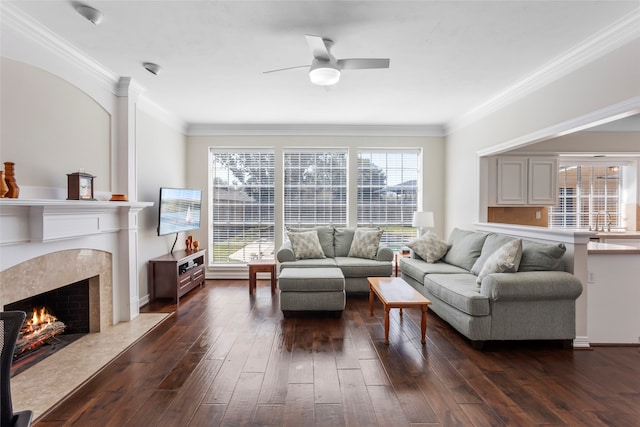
(4,188)
(195,245)
(10,180)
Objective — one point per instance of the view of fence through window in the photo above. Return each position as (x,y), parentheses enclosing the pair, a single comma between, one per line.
(588,194)
(388,193)
(243,189)
(241,206)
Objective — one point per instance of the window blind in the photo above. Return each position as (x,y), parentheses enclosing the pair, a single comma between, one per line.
(388,193)
(241,206)
(588,193)
(315,187)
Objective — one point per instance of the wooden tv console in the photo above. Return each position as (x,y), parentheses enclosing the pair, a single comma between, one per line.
(173,275)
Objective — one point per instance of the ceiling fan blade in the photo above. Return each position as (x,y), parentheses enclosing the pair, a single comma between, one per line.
(363,63)
(318,47)
(284,69)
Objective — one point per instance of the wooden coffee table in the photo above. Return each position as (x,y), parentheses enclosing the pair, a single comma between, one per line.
(394,292)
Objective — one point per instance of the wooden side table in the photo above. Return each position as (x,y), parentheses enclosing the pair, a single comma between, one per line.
(262,266)
(399,255)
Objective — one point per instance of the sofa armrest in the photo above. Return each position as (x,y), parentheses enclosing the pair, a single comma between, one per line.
(531,285)
(285,253)
(384,254)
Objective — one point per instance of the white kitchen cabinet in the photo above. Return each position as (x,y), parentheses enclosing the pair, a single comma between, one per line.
(543,181)
(523,181)
(512,181)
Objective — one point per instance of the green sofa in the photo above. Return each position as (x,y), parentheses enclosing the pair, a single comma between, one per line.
(536,301)
(336,244)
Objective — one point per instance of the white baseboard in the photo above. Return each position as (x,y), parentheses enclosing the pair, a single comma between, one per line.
(581,342)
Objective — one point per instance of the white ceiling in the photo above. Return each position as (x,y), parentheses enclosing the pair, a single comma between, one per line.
(447,57)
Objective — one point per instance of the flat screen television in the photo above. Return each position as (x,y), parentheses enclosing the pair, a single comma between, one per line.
(179,210)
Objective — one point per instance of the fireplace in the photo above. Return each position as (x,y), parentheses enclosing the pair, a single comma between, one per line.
(54,320)
(69,304)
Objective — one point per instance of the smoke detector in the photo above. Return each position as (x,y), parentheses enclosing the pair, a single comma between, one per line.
(89,13)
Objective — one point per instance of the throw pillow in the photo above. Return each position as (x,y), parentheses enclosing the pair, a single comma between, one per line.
(429,247)
(325,236)
(306,244)
(365,243)
(505,259)
(491,244)
(540,256)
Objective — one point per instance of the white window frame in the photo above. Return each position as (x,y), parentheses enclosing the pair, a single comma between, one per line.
(264,245)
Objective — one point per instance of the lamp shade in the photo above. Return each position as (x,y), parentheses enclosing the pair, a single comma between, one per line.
(422,220)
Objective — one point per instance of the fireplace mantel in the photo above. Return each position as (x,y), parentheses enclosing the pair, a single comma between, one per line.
(47,220)
(31,228)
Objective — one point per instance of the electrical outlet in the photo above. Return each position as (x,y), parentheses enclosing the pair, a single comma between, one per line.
(538,214)
(591,278)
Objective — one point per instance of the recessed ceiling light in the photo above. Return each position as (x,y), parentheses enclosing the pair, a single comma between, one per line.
(89,13)
(152,68)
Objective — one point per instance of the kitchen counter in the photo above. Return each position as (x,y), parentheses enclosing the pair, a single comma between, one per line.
(611,248)
(617,235)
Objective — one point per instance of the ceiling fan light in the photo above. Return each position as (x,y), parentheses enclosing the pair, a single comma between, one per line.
(324,75)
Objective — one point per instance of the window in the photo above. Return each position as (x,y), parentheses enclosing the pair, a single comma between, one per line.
(589,193)
(388,193)
(242,205)
(315,187)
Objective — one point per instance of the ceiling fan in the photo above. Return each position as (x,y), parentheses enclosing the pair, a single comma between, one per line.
(325,68)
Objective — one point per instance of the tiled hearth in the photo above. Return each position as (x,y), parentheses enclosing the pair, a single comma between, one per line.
(43,385)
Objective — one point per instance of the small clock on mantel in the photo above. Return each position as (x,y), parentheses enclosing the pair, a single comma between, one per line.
(80,186)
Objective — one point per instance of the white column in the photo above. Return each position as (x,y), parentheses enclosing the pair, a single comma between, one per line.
(125,181)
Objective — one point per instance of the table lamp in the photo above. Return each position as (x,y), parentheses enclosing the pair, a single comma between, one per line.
(422,220)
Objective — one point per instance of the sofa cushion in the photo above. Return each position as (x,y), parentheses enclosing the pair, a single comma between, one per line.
(361,267)
(306,244)
(417,268)
(342,239)
(504,260)
(311,280)
(429,247)
(540,256)
(459,291)
(325,236)
(365,243)
(308,263)
(491,244)
(466,247)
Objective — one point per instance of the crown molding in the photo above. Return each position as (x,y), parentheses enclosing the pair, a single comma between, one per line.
(203,129)
(164,116)
(36,33)
(607,40)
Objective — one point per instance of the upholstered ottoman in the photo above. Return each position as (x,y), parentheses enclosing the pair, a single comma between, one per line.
(311,289)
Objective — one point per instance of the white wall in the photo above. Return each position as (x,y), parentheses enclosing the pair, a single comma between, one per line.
(49,128)
(610,80)
(432,168)
(161,163)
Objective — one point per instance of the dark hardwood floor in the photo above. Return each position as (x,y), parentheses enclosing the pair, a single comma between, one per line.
(226,358)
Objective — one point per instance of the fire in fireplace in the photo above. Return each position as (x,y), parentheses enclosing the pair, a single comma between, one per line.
(37,330)
(54,320)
